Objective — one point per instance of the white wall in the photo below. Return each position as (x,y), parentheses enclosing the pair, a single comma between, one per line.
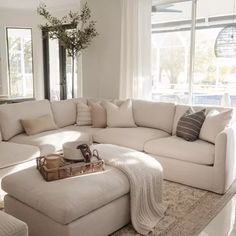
(101,61)
(24,19)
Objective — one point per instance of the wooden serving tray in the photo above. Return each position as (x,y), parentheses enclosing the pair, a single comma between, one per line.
(69,168)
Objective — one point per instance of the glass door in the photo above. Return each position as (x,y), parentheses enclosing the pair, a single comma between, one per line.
(54,70)
(57,71)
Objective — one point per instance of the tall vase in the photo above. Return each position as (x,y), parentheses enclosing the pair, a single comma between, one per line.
(226,101)
(73,77)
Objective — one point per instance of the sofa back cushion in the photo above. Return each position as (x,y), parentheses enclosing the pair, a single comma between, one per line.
(181,109)
(157,115)
(11,114)
(64,112)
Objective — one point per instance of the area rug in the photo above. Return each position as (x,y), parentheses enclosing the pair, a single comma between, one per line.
(189,211)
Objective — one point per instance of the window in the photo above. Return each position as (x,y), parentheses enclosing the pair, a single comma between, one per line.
(170,51)
(58,69)
(20,62)
(213,80)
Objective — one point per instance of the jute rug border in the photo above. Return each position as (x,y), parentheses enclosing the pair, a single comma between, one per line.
(182,225)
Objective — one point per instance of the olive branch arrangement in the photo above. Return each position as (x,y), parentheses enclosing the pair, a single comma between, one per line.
(75,31)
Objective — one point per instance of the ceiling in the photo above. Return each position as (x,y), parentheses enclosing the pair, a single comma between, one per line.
(33,4)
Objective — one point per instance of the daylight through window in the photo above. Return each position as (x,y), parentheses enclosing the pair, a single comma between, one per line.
(20,62)
(213,80)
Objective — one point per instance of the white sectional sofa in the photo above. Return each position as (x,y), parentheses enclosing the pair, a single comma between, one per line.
(200,164)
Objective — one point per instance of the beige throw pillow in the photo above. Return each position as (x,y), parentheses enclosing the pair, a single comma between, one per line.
(214,123)
(83,114)
(98,115)
(38,125)
(120,116)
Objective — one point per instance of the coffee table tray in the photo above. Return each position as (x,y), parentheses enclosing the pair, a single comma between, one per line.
(69,168)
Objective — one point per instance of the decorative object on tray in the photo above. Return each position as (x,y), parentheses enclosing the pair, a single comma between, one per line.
(73,151)
(52,161)
(55,166)
(1,204)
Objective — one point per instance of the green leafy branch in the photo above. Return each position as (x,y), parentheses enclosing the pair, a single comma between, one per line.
(79,34)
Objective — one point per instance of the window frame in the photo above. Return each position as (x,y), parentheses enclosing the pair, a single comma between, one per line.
(8,59)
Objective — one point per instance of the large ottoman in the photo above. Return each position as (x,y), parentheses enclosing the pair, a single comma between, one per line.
(10,226)
(94,204)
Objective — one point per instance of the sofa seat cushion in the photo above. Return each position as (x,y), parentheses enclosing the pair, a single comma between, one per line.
(13,154)
(85,129)
(128,137)
(68,199)
(199,151)
(51,141)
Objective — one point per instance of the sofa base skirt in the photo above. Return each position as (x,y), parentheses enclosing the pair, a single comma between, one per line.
(191,174)
(100,222)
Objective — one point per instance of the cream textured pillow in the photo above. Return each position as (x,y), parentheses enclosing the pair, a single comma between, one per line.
(214,123)
(98,115)
(120,116)
(38,125)
(83,114)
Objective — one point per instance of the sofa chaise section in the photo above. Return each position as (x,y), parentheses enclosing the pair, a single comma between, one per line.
(64,207)
(15,157)
(13,154)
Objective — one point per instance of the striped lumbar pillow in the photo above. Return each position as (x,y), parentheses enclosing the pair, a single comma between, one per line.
(83,114)
(189,125)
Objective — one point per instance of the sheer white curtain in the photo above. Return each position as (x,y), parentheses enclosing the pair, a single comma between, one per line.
(135,71)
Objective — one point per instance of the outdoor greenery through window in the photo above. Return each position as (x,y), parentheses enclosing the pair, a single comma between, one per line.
(20,62)
(213,80)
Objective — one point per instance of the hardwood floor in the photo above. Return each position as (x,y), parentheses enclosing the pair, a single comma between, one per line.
(224,224)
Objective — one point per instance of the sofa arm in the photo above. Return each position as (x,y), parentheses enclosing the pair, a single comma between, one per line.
(225,164)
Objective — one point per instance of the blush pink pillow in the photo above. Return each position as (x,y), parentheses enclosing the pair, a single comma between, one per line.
(98,115)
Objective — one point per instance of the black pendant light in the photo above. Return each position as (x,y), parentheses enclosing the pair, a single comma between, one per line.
(225,45)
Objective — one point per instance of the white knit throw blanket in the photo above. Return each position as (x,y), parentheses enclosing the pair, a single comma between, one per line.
(145,178)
